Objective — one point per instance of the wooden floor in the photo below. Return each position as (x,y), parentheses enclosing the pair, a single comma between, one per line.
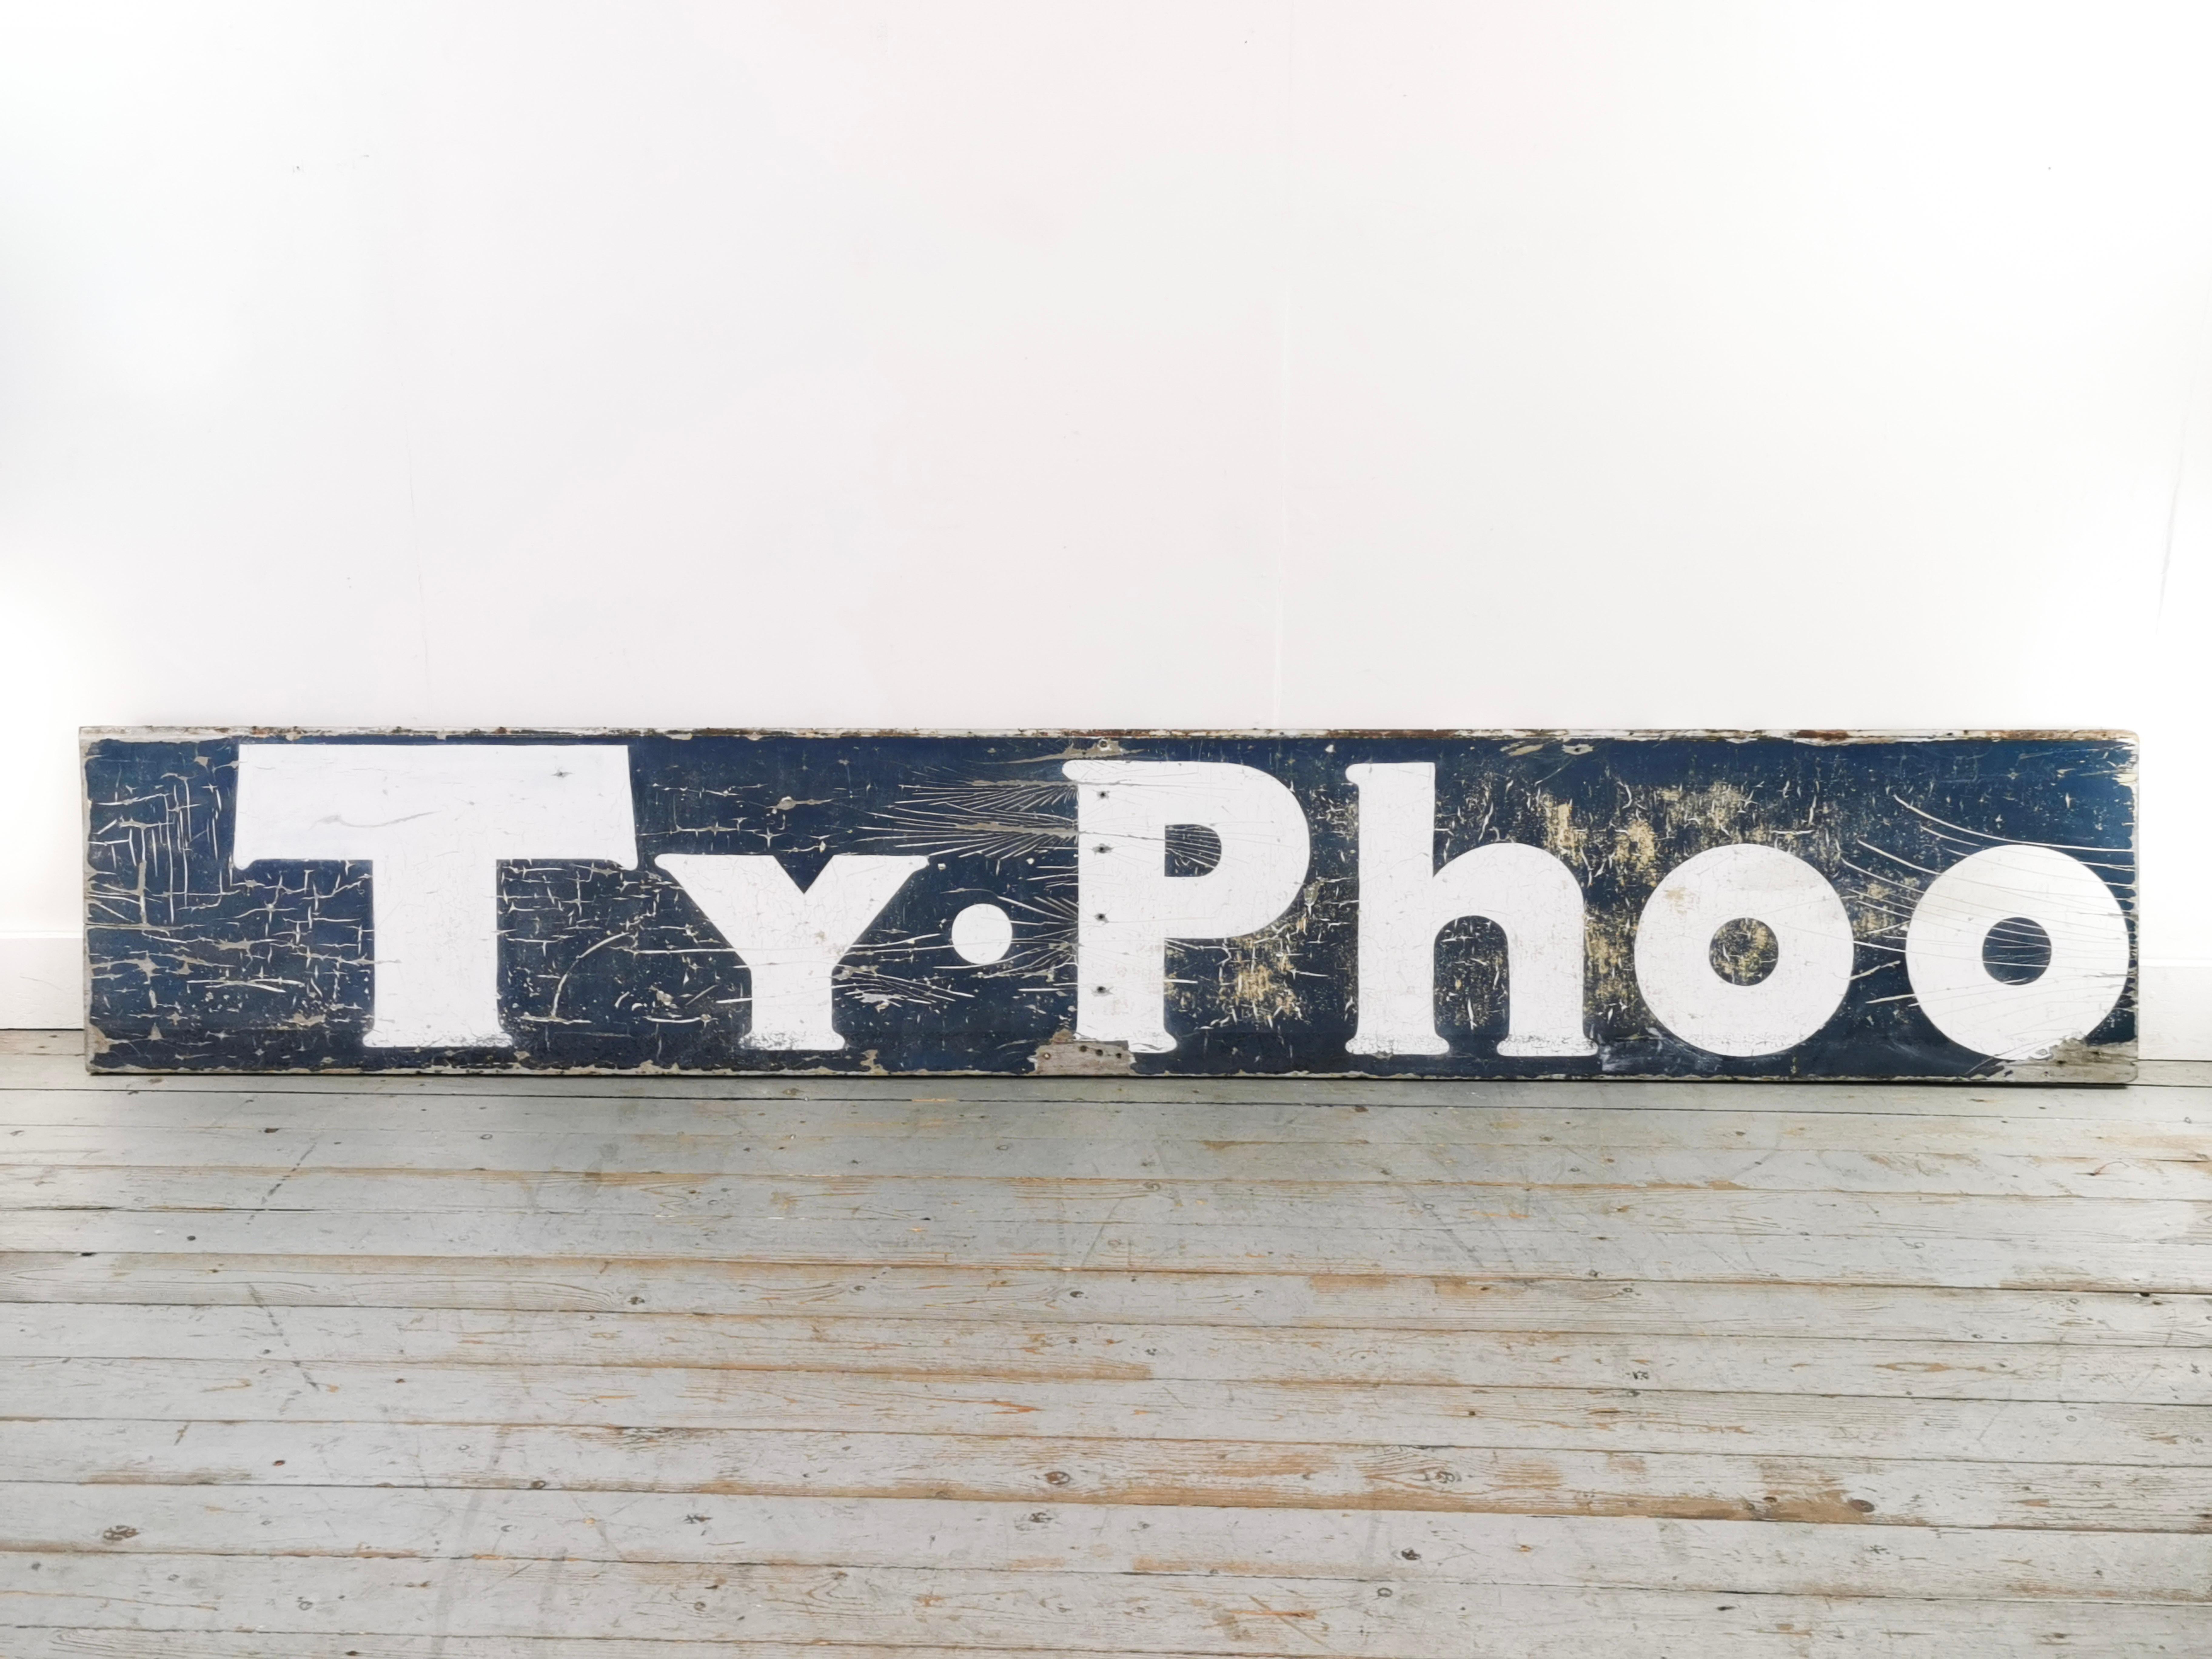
(436,1368)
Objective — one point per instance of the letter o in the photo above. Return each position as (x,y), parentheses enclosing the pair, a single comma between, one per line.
(1675,941)
(2088,935)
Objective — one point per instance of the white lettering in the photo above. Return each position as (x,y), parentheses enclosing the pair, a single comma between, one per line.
(790,940)
(1404,900)
(1130,907)
(1674,951)
(432,821)
(2076,911)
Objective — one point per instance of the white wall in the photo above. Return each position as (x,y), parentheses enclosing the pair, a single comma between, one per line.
(974,364)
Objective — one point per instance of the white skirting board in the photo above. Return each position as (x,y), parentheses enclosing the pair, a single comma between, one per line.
(42,987)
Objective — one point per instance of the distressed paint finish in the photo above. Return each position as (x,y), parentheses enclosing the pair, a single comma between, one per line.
(525,1367)
(959,862)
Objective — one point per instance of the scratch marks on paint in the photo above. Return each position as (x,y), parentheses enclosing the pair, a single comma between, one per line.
(195,963)
(999,819)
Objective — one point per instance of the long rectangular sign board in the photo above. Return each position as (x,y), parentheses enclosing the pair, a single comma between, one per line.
(1464,904)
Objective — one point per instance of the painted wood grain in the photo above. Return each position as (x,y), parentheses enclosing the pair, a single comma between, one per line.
(1630,1418)
(1576,1154)
(79,1643)
(1969,1491)
(1287,1205)
(1240,1356)
(1502,1244)
(1368,1301)
(514,1524)
(899,1347)
(1152,1613)
(1774,1628)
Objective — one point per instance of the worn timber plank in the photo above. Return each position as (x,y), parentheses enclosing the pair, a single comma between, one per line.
(34,1161)
(1147,1612)
(1969,1491)
(518,1524)
(1162,1207)
(581,1368)
(1274,1301)
(940,1348)
(1666,1627)
(1627,1418)
(1504,1244)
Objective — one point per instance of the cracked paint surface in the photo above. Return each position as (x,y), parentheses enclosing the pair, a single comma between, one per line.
(196,965)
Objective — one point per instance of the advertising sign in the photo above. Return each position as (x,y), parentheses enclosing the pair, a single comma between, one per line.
(1813,905)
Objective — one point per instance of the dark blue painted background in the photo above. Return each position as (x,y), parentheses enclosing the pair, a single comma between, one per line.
(195,965)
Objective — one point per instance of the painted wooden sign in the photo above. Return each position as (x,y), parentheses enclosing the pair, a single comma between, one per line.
(1448,904)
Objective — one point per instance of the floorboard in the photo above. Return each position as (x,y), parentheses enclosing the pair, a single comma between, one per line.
(448,1368)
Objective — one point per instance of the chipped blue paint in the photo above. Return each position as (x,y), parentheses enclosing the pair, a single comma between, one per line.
(197,964)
